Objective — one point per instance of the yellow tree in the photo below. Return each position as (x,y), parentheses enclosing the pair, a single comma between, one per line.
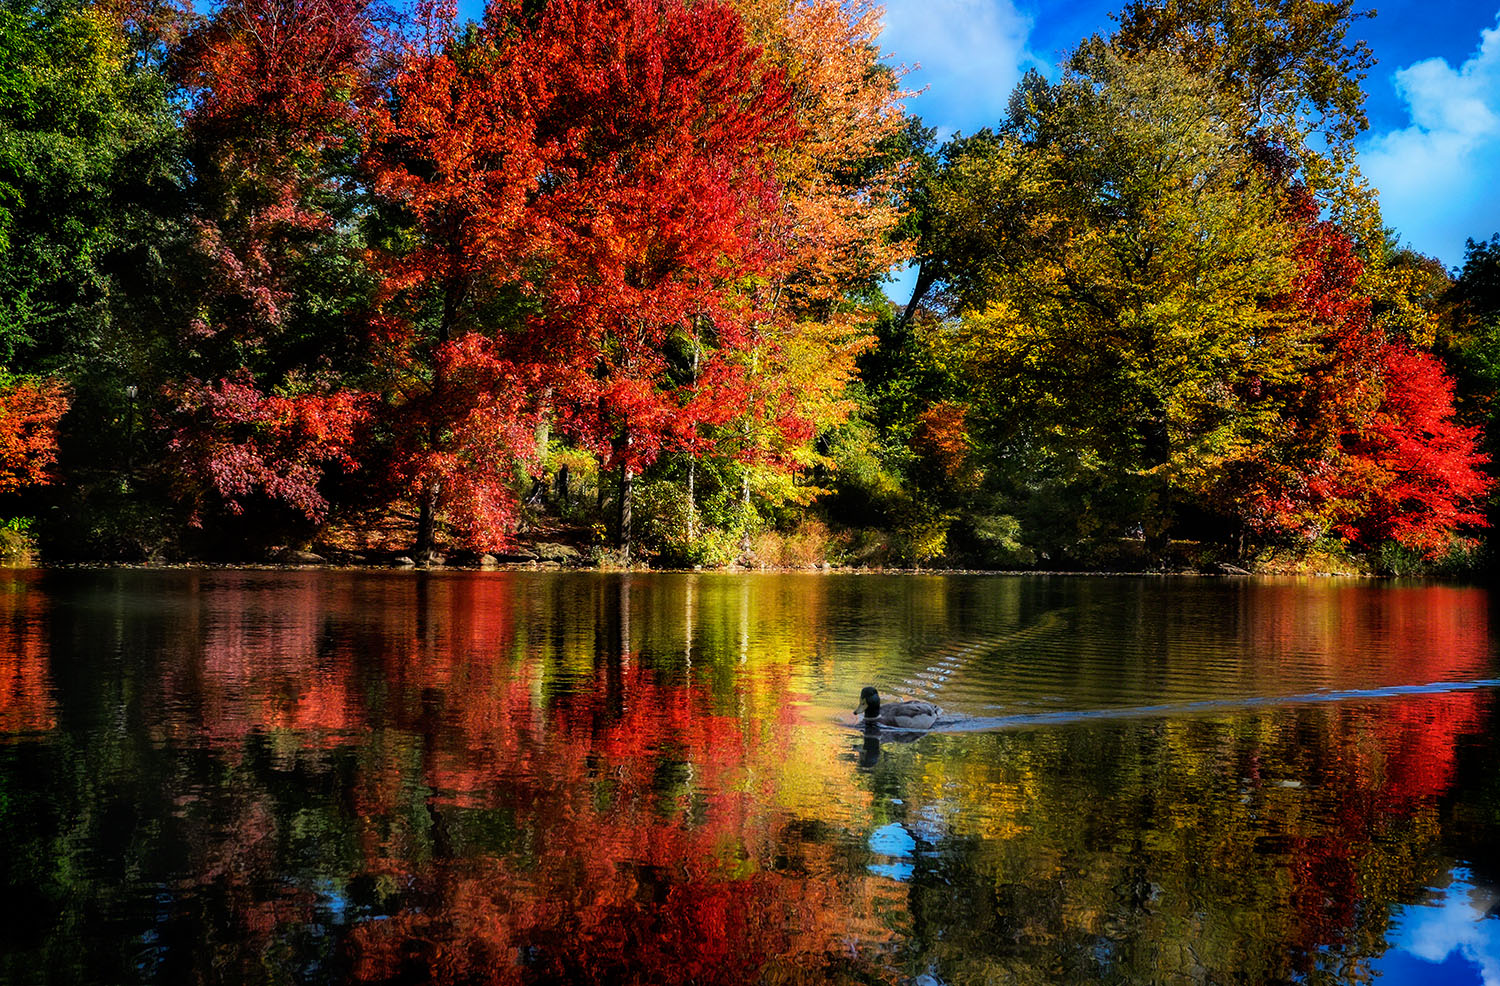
(841,208)
(1125,321)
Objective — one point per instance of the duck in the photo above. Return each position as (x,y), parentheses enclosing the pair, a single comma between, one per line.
(900,715)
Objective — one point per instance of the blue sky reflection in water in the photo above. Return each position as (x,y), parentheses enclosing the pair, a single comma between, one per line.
(543,778)
(1453,940)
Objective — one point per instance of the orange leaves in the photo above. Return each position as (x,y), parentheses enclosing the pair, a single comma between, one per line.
(841,205)
(942,437)
(29,412)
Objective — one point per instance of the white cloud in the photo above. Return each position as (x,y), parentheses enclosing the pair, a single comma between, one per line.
(971,54)
(1457,923)
(1438,177)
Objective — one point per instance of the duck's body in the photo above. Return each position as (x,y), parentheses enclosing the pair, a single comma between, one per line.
(896,715)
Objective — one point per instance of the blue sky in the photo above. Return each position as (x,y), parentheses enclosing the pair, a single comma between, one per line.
(1432,150)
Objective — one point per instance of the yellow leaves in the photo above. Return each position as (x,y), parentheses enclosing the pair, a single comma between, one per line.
(847,105)
(1408,292)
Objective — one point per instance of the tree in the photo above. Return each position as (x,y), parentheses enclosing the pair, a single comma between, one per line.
(842,205)
(1369,448)
(1292,67)
(84,171)
(584,186)
(1470,337)
(1121,322)
(29,412)
(279,96)
(1414,473)
(90,200)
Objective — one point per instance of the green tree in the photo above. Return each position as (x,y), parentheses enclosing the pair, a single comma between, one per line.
(1121,330)
(86,139)
(90,205)
(1292,68)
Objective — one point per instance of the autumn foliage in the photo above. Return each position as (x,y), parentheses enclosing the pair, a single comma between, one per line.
(239,442)
(587,186)
(1370,449)
(29,412)
(605,266)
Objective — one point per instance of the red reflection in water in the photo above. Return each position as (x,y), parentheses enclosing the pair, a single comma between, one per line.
(1385,768)
(26,699)
(647,847)
(623,875)
(1372,636)
(262,669)
(641,839)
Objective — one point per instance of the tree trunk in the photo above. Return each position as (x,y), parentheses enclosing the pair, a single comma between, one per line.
(541,436)
(1158,452)
(692,497)
(692,479)
(926,278)
(627,493)
(627,497)
(428,496)
(745,510)
(427,521)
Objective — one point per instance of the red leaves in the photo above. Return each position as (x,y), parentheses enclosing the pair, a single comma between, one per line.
(238,442)
(1413,471)
(601,178)
(29,412)
(659,140)
(1369,448)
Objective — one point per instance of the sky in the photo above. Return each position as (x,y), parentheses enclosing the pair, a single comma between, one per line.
(1432,149)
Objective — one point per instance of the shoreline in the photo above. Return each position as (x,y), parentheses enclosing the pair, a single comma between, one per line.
(553,567)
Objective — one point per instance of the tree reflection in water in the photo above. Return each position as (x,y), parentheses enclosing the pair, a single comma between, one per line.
(539,779)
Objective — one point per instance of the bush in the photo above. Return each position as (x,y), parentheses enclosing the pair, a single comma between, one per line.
(920,536)
(16,542)
(1462,559)
(666,518)
(807,546)
(997,541)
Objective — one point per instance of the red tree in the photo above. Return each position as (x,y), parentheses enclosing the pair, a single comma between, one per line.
(234,441)
(1368,447)
(1413,472)
(584,185)
(29,412)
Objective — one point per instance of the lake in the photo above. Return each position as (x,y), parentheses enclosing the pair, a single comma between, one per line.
(538,777)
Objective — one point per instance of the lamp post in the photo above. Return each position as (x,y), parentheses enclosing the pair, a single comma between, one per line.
(130,393)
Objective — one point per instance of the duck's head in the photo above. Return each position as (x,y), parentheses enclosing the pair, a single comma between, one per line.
(869,703)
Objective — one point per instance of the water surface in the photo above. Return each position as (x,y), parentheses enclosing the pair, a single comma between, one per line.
(319,777)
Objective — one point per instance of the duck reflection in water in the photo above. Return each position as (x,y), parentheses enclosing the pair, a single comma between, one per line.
(869,754)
